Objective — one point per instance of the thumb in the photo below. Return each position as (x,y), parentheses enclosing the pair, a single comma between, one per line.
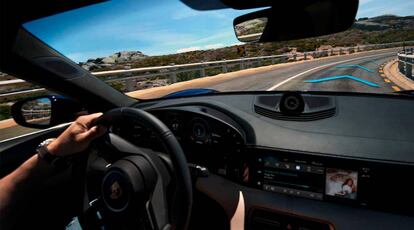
(94,133)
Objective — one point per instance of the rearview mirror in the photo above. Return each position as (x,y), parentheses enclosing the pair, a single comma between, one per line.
(250,30)
(296,20)
(45,111)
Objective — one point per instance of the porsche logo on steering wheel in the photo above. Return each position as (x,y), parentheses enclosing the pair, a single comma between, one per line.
(116,191)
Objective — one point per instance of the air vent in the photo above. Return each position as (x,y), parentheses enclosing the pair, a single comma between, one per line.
(300,117)
(274,219)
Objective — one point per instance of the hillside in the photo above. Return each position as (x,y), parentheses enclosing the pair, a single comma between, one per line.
(381,29)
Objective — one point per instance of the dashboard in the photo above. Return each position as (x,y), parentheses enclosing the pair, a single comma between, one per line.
(297,146)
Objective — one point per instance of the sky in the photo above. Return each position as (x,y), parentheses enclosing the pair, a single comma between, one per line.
(157,27)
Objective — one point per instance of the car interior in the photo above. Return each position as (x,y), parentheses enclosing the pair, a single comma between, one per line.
(228,160)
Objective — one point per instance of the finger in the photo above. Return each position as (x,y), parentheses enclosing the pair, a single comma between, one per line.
(89,119)
(94,133)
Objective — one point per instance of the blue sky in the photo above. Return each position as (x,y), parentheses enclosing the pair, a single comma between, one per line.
(157,27)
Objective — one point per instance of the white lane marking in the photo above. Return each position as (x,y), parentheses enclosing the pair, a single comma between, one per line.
(35,132)
(319,67)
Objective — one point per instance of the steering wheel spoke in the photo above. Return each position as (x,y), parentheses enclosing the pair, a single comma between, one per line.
(137,190)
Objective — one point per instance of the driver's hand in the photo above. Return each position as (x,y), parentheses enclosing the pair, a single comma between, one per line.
(77,137)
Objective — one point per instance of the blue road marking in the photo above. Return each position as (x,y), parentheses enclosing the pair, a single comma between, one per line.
(343,77)
(354,66)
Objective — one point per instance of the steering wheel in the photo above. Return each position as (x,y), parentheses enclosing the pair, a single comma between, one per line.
(130,187)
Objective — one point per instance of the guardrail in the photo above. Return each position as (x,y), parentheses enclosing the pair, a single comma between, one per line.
(406,62)
(130,76)
(36,114)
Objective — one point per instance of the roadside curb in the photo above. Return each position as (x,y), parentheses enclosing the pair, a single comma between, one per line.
(392,73)
(7,123)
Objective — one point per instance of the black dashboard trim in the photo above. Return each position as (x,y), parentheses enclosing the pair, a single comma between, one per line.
(258,147)
(288,213)
(324,93)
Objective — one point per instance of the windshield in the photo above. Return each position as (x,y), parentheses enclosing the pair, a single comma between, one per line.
(149,49)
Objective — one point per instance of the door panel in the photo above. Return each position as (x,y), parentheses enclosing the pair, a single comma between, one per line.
(58,198)
(13,152)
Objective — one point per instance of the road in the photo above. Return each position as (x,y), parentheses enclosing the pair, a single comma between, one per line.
(293,77)
(14,131)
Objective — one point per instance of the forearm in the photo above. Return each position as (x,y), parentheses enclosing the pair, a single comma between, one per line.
(20,183)
(17,187)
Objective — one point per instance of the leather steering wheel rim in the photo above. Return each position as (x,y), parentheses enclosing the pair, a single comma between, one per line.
(182,174)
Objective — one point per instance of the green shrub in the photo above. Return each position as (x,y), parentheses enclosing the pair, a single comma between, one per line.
(5,112)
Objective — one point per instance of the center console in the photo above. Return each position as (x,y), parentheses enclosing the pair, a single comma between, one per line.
(359,182)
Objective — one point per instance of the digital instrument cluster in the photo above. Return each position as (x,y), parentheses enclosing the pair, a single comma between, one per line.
(207,136)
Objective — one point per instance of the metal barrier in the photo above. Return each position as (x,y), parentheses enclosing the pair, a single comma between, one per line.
(406,62)
(36,114)
(130,76)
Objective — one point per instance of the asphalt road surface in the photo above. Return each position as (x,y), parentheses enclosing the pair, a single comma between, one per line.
(365,66)
(14,131)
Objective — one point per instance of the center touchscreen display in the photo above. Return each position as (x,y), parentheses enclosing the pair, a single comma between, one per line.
(290,177)
(308,178)
(345,181)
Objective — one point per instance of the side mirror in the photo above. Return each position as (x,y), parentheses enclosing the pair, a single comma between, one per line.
(289,20)
(46,111)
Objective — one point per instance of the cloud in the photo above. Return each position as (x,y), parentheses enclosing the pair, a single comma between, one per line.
(214,46)
(397,8)
(237,43)
(188,49)
(205,47)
